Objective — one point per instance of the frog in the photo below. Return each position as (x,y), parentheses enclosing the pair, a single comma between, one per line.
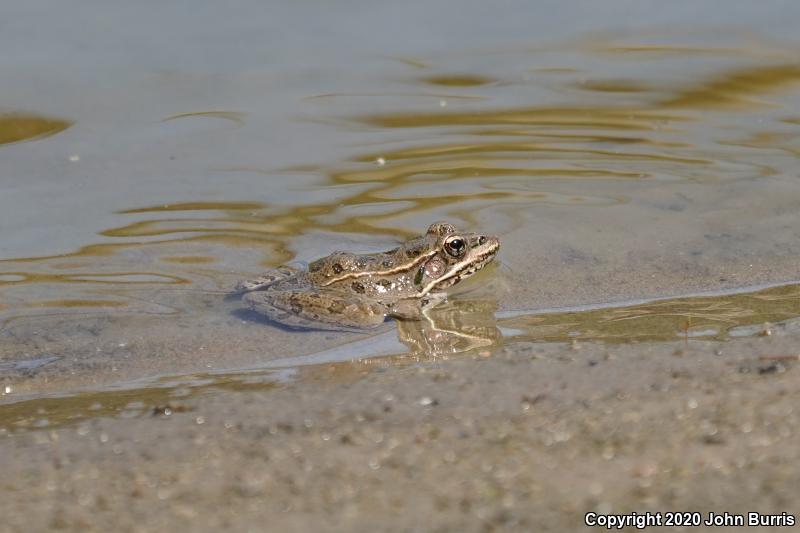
(347,291)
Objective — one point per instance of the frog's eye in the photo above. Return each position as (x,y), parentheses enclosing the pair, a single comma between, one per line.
(455,246)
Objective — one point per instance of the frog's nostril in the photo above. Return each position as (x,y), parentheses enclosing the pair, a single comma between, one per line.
(482,240)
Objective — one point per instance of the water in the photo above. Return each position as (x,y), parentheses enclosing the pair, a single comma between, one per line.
(153,156)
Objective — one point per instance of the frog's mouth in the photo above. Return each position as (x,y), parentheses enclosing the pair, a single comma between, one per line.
(477,258)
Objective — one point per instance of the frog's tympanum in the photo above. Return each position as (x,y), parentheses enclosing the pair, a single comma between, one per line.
(351,291)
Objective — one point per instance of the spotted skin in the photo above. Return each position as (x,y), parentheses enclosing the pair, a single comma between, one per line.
(352,291)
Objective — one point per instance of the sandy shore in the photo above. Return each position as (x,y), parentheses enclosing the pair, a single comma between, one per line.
(529,439)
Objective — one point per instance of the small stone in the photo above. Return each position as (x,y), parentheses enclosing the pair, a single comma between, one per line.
(427,401)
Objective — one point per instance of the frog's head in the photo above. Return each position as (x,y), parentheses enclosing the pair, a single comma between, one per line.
(457,256)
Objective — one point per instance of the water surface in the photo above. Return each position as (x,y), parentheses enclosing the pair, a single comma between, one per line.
(156,160)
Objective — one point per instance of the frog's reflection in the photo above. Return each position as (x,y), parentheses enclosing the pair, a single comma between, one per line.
(454,327)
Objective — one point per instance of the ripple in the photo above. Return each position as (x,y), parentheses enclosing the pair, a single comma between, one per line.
(574,117)
(152,397)
(18,127)
(123,278)
(383,95)
(68,303)
(458,80)
(613,86)
(737,88)
(197,206)
(190,259)
(456,169)
(232,116)
(192,225)
(717,317)
(498,149)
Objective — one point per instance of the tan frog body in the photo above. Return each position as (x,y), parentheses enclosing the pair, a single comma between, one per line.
(351,291)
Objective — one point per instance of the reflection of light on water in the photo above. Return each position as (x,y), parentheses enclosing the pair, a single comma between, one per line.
(233,116)
(147,397)
(124,278)
(716,316)
(458,80)
(198,206)
(18,127)
(67,303)
(189,259)
(737,88)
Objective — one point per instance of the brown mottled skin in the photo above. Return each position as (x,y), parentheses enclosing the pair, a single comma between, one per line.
(351,291)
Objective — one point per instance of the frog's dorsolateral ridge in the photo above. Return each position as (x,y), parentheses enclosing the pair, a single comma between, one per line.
(350,291)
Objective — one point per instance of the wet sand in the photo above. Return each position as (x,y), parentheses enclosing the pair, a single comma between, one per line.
(531,438)
(531,433)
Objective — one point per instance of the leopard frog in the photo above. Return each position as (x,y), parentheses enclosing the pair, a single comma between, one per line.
(346,291)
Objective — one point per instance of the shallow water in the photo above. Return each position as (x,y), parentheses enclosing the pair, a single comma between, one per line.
(459,329)
(149,169)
